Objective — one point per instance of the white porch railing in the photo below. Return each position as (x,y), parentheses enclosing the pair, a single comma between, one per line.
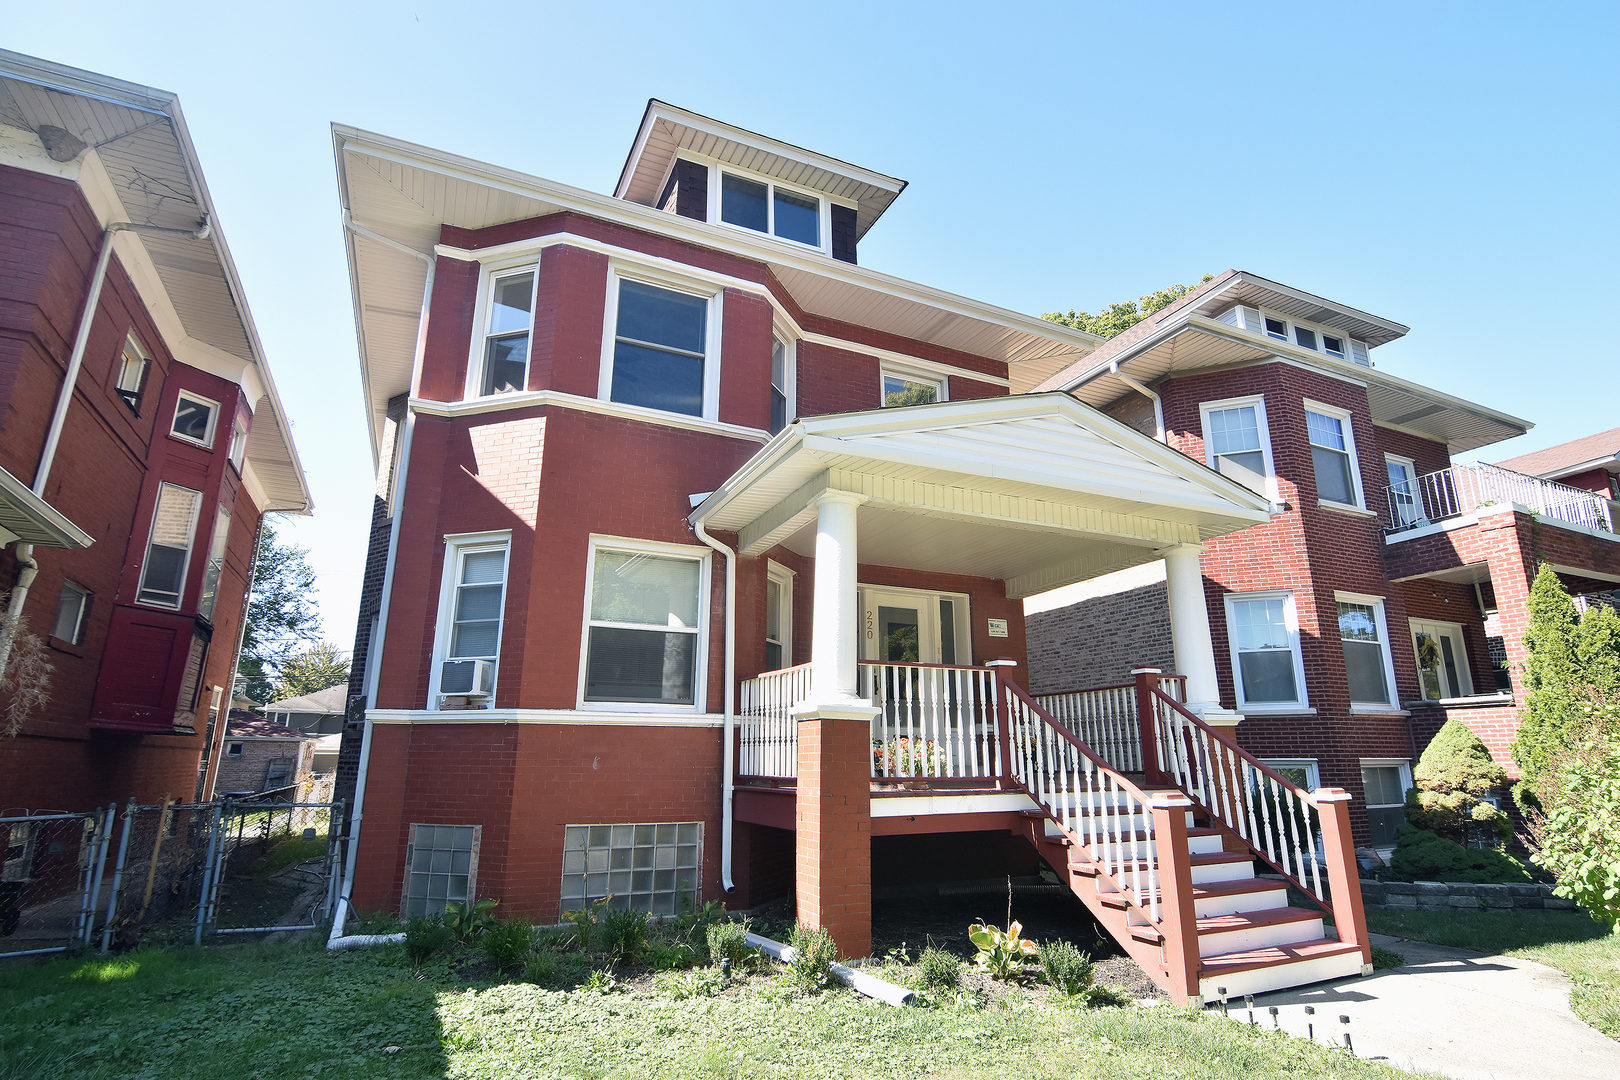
(768,734)
(935,720)
(1104,718)
(1463,488)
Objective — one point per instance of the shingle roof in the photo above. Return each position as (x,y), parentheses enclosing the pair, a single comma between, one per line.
(334,699)
(262,729)
(1555,460)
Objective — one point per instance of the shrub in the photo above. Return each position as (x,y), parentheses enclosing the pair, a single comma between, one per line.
(505,944)
(1065,967)
(940,971)
(622,933)
(729,941)
(424,938)
(1450,778)
(586,920)
(1423,856)
(813,955)
(1579,833)
(466,919)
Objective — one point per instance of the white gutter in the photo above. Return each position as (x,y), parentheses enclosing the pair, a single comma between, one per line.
(1158,402)
(727,754)
(375,646)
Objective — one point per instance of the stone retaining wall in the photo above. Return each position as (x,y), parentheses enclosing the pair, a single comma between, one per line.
(1457,896)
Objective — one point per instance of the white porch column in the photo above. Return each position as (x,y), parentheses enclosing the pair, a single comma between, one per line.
(833,634)
(1189,628)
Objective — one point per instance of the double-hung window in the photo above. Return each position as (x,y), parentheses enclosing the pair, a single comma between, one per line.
(660,358)
(194,419)
(508,320)
(1333,454)
(472,603)
(168,549)
(1236,443)
(1384,783)
(643,640)
(239,439)
(769,208)
(1263,631)
(779,385)
(216,563)
(131,373)
(1368,665)
(1442,660)
(778,618)
(71,608)
(1404,508)
(901,388)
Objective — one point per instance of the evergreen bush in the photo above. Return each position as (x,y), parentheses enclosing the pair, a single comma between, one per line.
(1449,784)
(1423,856)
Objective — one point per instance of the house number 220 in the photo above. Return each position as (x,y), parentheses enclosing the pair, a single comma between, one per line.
(871,625)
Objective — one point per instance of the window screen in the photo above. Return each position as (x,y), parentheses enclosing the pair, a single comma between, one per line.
(644,628)
(1363,653)
(441,864)
(1265,650)
(1331,458)
(651,868)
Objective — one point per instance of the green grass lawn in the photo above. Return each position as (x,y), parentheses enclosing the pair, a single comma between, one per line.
(266,1011)
(1571,942)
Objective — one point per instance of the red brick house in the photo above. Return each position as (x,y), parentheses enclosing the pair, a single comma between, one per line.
(697,570)
(141,438)
(1387,592)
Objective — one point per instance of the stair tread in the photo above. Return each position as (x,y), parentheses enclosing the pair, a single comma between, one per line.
(1273,956)
(1140,835)
(1243,920)
(1216,888)
(1210,858)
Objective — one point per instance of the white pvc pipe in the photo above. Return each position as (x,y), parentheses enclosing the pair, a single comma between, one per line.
(358,941)
(859,981)
(727,753)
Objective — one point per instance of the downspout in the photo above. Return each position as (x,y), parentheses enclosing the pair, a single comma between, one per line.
(374,648)
(727,788)
(28,568)
(211,772)
(1158,403)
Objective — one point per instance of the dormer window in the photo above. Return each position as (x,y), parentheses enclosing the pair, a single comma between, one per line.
(1333,346)
(1305,339)
(764,207)
(1277,328)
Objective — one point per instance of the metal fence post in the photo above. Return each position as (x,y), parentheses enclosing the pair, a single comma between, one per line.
(208,870)
(118,875)
(91,899)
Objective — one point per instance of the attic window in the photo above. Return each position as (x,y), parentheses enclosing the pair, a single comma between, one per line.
(1277,328)
(765,207)
(1333,345)
(1306,339)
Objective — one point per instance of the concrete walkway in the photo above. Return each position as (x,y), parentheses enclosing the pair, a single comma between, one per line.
(1451,1012)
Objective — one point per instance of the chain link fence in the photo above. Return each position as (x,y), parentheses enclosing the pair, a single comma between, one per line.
(50,879)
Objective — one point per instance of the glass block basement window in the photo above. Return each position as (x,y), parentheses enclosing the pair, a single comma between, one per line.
(441,866)
(651,868)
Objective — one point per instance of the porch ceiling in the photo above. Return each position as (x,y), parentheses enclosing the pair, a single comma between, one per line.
(1036,490)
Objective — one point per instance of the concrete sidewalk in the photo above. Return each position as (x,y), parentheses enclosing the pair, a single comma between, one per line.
(1453,1012)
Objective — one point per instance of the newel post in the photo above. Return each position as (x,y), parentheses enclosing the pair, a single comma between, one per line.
(1147,711)
(1344,880)
(1178,918)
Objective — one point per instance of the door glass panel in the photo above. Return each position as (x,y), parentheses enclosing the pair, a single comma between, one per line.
(947,632)
(898,628)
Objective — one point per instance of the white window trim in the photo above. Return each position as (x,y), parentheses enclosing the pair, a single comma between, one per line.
(238,447)
(1411,470)
(790,366)
(492,272)
(1291,621)
(191,548)
(77,637)
(1313,772)
(717,169)
(700,682)
(784,577)
(619,272)
(132,344)
(1464,666)
(207,442)
(890,370)
(455,546)
(1403,764)
(1377,604)
(1348,428)
(1259,403)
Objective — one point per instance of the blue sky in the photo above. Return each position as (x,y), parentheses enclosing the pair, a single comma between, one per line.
(1449,166)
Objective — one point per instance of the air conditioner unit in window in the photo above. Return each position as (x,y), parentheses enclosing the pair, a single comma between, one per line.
(469,678)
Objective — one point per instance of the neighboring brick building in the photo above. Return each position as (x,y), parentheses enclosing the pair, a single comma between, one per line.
(261,755)
(1387,591)
(130,504)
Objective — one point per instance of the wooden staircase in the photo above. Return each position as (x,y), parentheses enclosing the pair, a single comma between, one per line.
(1168,866)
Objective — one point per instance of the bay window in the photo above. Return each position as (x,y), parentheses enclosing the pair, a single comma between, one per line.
(1236,442)
(168,548)
(644,633)
(1333,454)
(660,348)
(508,321)
(216,563)
(472,604)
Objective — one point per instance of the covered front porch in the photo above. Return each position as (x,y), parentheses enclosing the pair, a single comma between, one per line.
(878,733)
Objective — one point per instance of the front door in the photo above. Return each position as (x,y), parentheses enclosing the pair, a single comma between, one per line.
(899,627)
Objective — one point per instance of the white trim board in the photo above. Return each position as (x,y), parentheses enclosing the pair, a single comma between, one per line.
(542,716)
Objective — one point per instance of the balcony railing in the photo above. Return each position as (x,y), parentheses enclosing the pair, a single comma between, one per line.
(768,735)
(1105,718)
(1462,489)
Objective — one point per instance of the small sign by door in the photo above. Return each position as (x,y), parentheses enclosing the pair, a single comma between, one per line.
(998,627)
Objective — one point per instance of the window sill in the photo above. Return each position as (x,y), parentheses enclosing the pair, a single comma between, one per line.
(1345,508)
(1477,701)
(64,646)
(1275,710)
(1377,710)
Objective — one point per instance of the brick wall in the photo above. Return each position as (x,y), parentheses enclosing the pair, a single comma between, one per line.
(1098,641)
(246,771)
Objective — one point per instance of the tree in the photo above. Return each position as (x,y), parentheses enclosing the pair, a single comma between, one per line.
(1571,663)
(1118,317)
(25,684)
(316,668)
(1577,837)
(281,617)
